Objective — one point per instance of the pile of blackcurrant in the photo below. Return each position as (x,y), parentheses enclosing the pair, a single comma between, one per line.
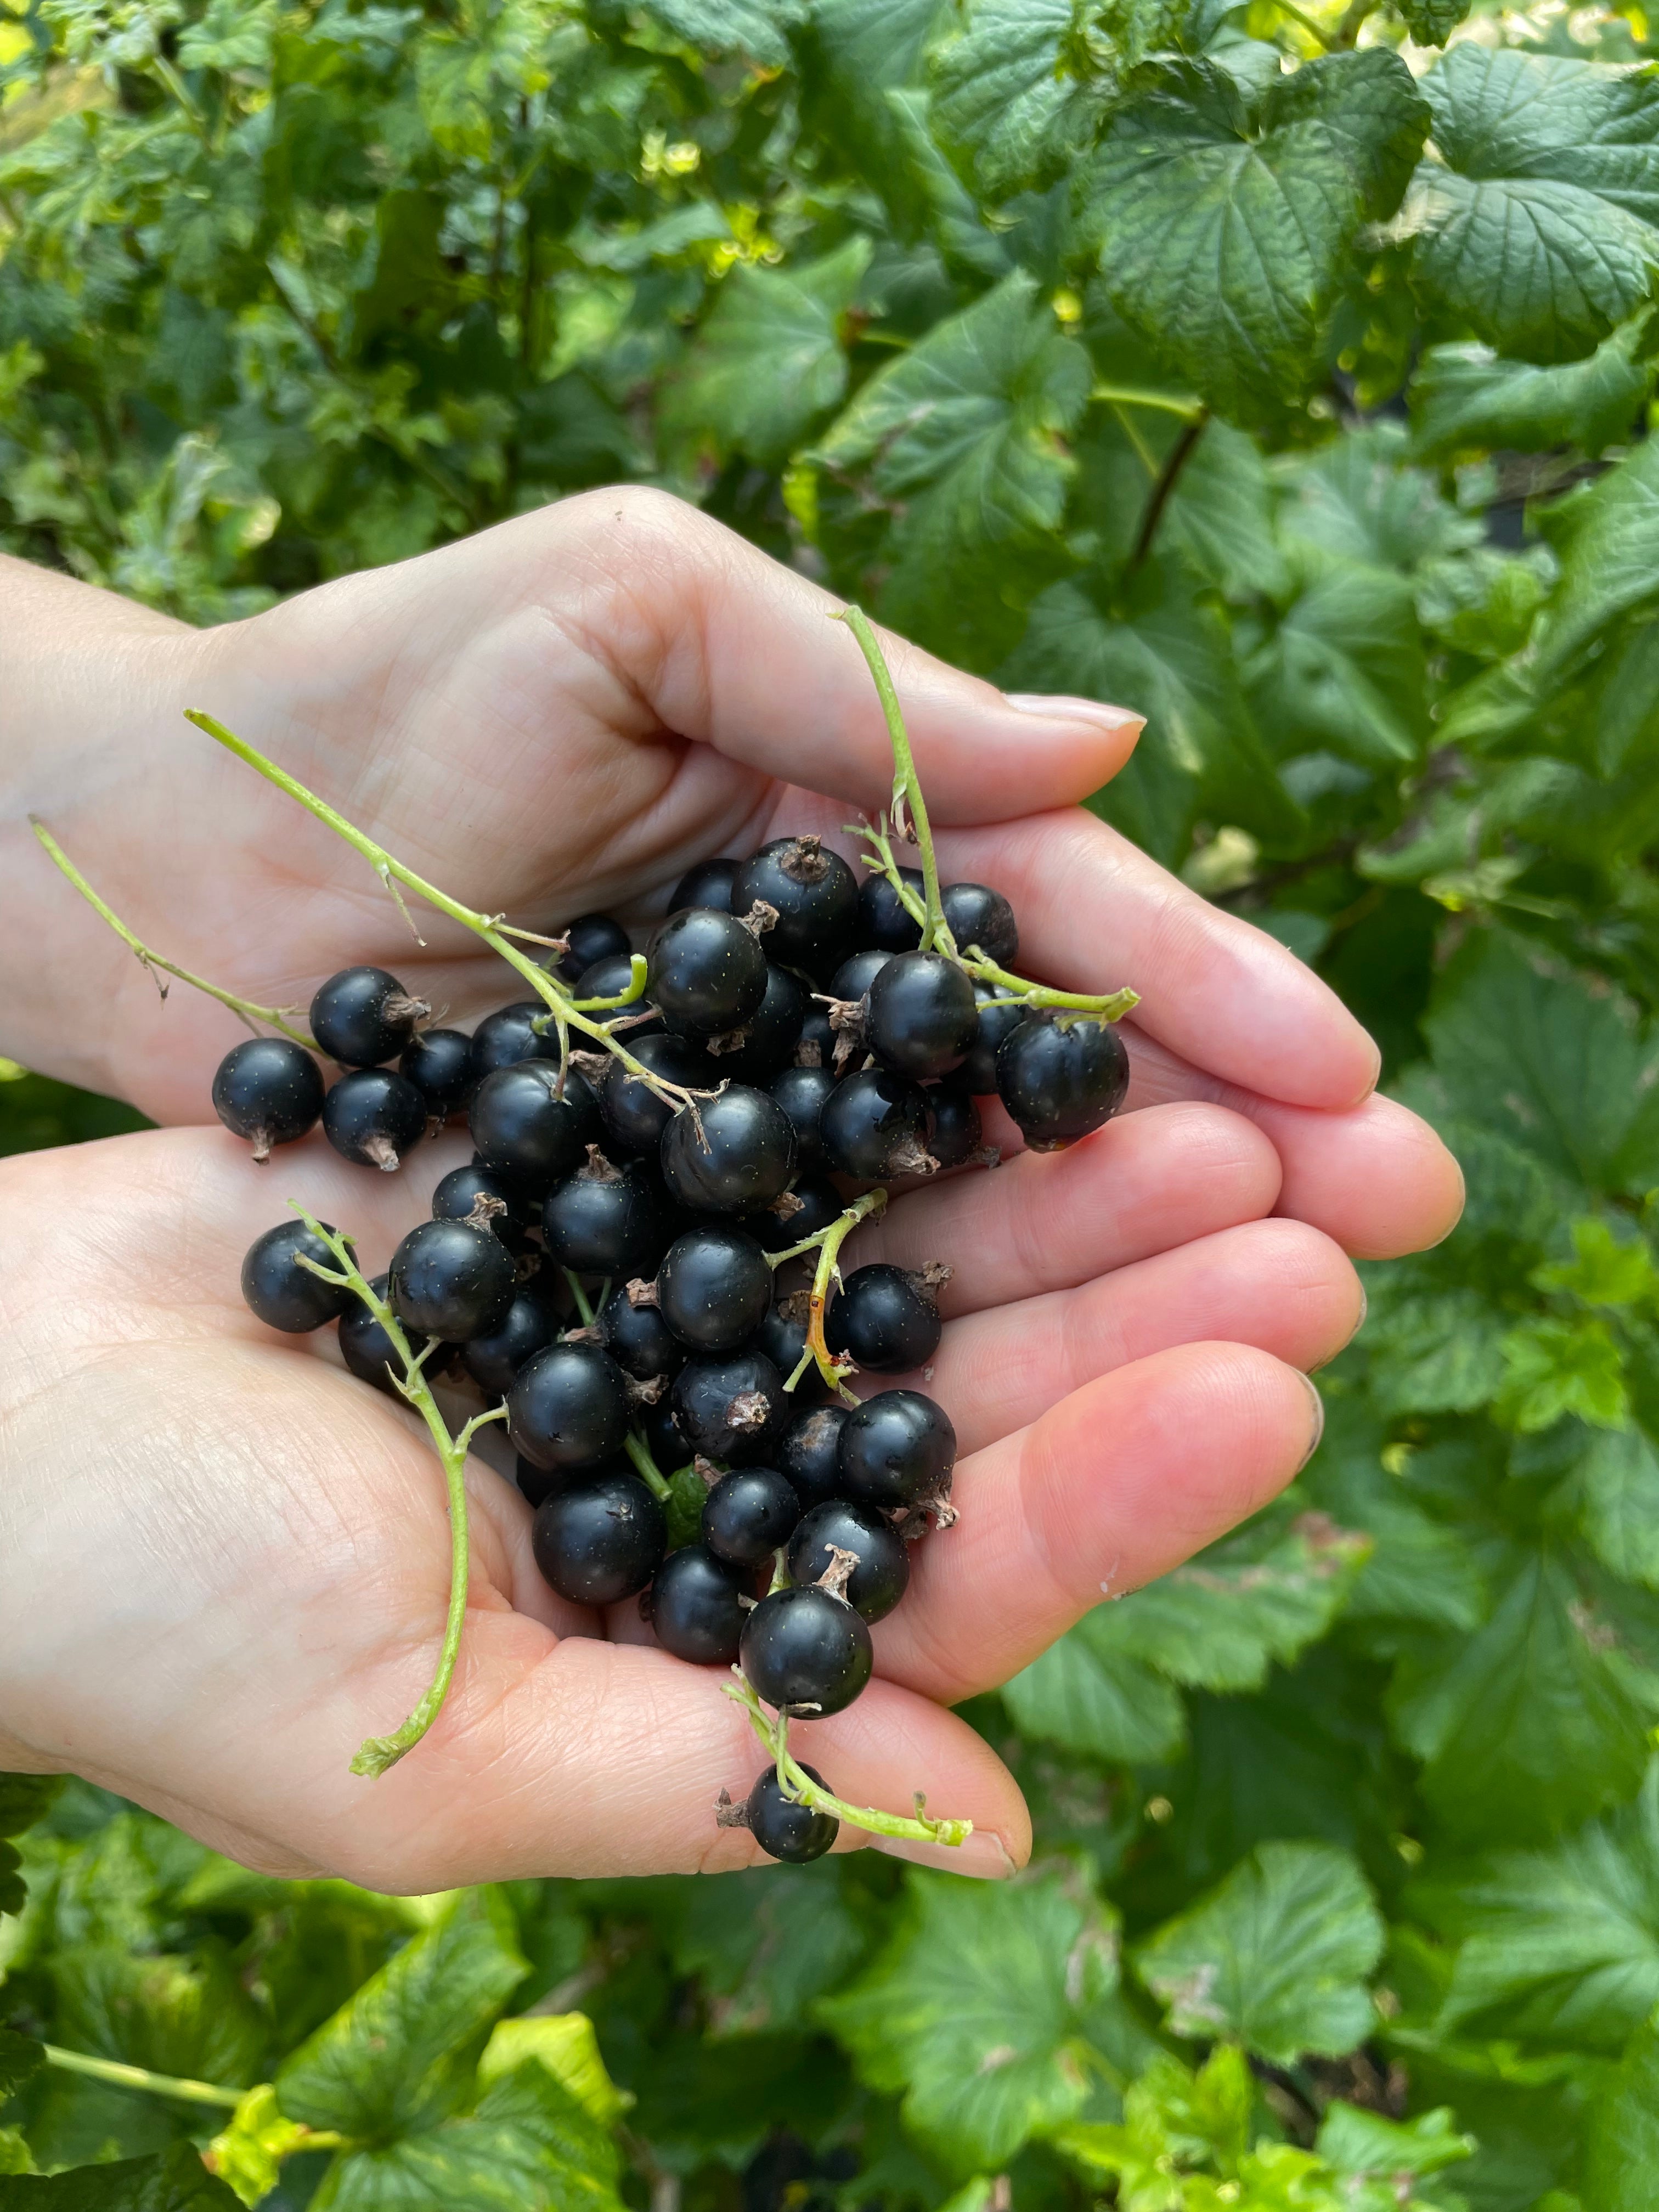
(639,1270)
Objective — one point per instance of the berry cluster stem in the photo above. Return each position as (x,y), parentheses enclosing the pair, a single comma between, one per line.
(827,1244)
(378,1753)
(909,808)
(796,1784)
(122,2076)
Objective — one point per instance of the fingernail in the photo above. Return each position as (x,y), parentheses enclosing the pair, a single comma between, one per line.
(1062,707)
(1318,1423)
(984,1856)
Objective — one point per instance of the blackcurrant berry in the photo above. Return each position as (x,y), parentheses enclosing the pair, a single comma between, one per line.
(874,1126)
(640,1342)
(439,1063)
(458,1192)
(535,1483)
(816,1045)
(781,1338)
(494,1361)
(605,1220)
(777,1227)
(738,1153)
(694,1607)
(882,1573)
(362,1017)
(749,1514)
(854,976)
(705,883)
(766,1040)
(373,1116)
(268,1089)
(801,1092)
(978,916)
(1061,1076)
(662,1434)
(921,1019)
(809,1452)
(885,1318)
(713,1287)
(896,1449)
(568,1407)
(599,1541)
(731,1409)
(633,1115)
(784,1828)
(997,1019)
(452,1279)
(367,1349)
(525,1129)
(805,1650)
(504,1038)
(884,925)
(592,937)
(608,979)
(708,973)
(815,895)
(954,1130)
(280,1291)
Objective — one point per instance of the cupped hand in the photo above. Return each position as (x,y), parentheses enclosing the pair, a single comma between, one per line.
(224,1561)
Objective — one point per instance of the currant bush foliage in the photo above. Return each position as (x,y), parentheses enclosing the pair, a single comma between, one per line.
(1284,372)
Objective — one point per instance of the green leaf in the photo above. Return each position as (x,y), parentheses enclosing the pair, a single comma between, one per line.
(175,2181)
(1364,2146)
(856,53)
(1617,1482)
(758,28)
(1360,499)
(401,2055)
(1220,515)
(1465,398)
(1002,102)
(1608,567)
(21,2060)
(769,361)
(23,1799)
(1343,673)
(766,1949)
(1557,1367)
(1088,1694)
(1418,1569)
(1535,225)
(1275,1956)
(1432,22)
(1264,200)
(565,2043)
(1622,2133)
(189,2017)
(973,2012)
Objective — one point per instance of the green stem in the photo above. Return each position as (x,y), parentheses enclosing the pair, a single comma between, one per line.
(649,1473)
(827,1242)
(797,1783)
(378,1753)
(1107,1005)
(1323,38)
(270,1016)
(584,1304)
(122,2076)
(1136,395)
(906,784)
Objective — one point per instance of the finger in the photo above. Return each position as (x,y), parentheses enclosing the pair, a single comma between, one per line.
(1278,1285)
(1044,1221)
(1118,1484)
(1376,1179)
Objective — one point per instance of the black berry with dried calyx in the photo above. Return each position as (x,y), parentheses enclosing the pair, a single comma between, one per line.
(568,1407)
(373,1116)
(269,1089)
(954,1134)
(638,1339)
(598,1540)
(895,1451)
(1061,1076)
(439,1063)
(806,1652)
(452,1279)
(885,1318)
(814,894)
(732,1410)
(363,1017)
(882,1572)
(921,1019)
(531,1129)
(635,1115)
(283,1293)
(607,1220)
(784,1827)
(808,1453)
(696,1606)
(980,917)
(707,972)
(874,1126)
(733,1154)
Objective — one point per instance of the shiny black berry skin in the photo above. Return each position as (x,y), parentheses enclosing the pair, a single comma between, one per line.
(439,1063)
(896,1449)
(713,1287)
(921,1019)
(694,1608)
(767,1041)
(605,1220)
(954,1130)
(732,1409)
(494,1361)
(640,1342)
(373,1115)
(535,1483)
(997,1019)
(282,1293)
(874,1126)
(982,918)
(882,1573)
(367,1349)
(459,1191)
(801,1092)
(1061,1078)
(269,1090)
(817,897)
(776,1227)
(884,1319)
(525,1130)
(452,1279)
(705,883)
(708,973)
(785,1829)
(750,1514)
(816,1045)
(783,1341)
(598,1540)
(854,976)
(883,923)
(805,1650)
(634,1117)
(743,1159)
(362,1017)
(591,937)
(569,1407)
(504,1038)
(662,1434)
(809,1452)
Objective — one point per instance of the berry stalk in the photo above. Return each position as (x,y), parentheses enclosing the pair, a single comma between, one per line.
(798,1785)
(634,1445)
(378,1753)
(827,1242)
(908,807)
